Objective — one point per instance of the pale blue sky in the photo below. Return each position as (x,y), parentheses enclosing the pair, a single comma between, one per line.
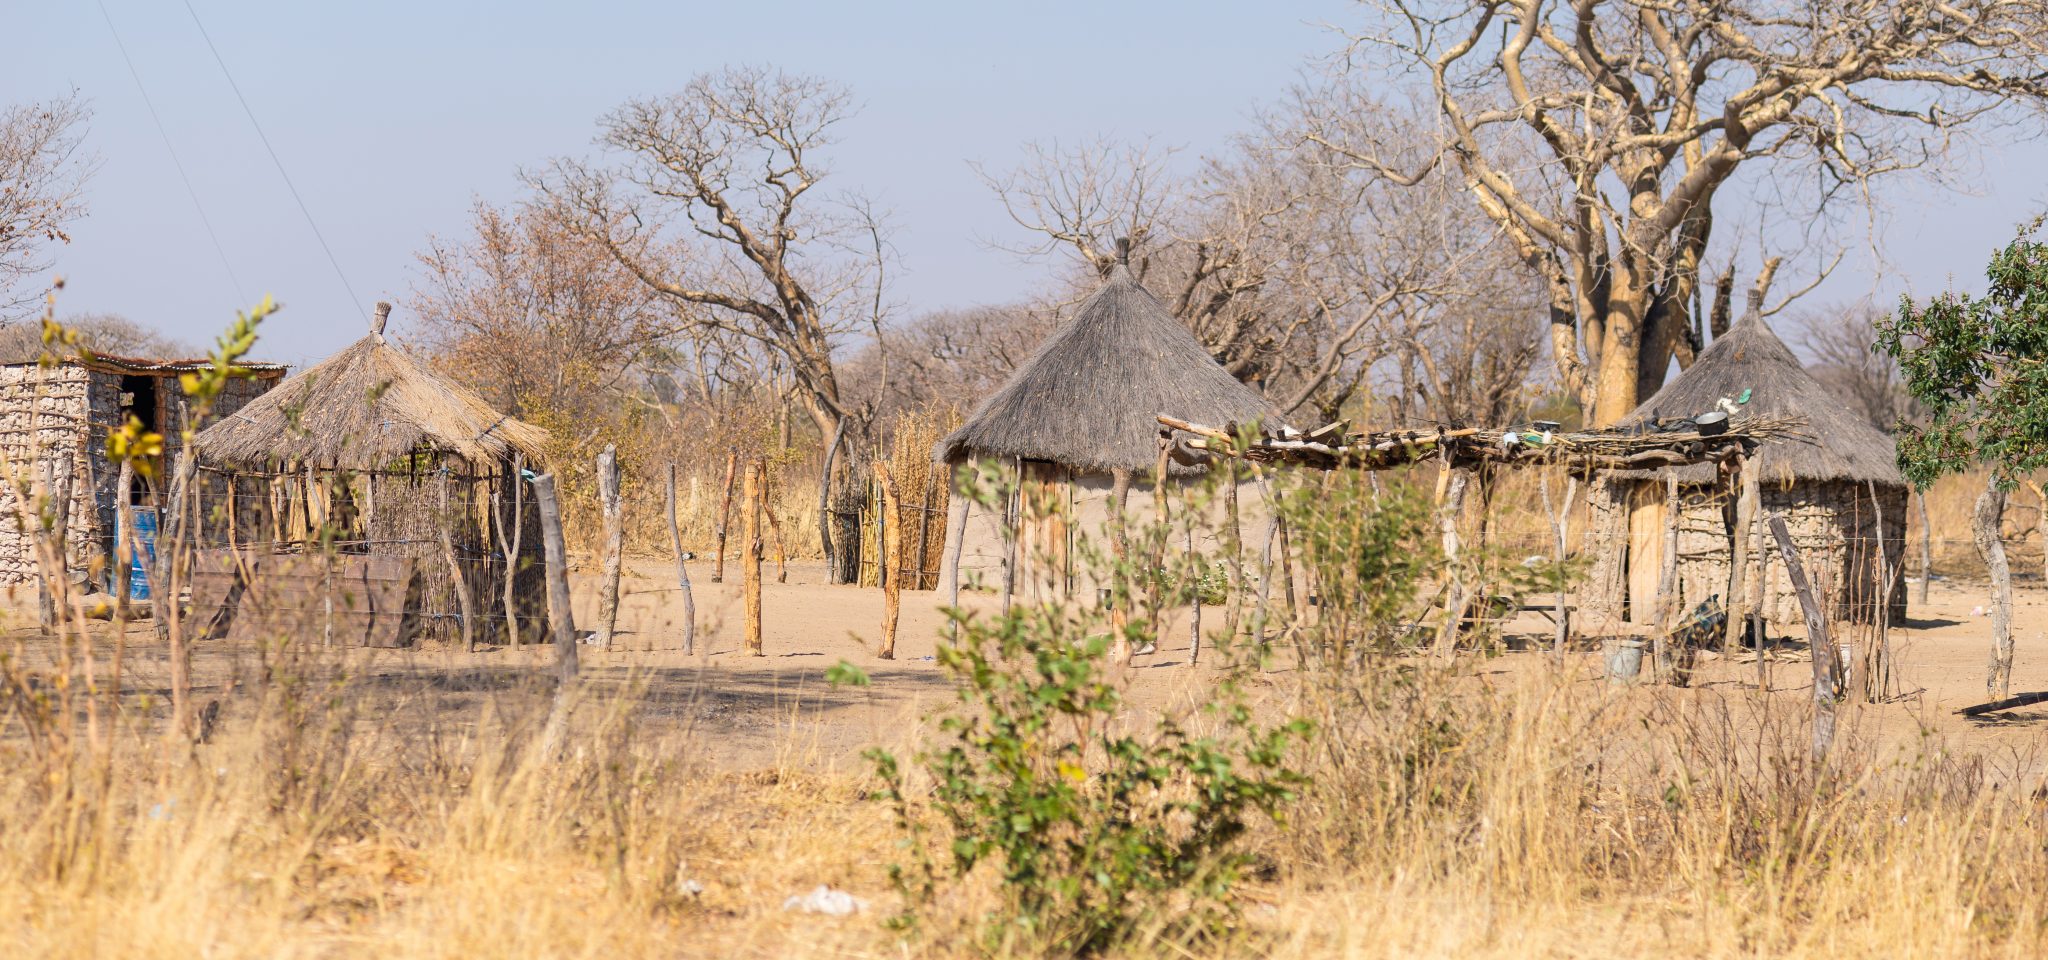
(393,117)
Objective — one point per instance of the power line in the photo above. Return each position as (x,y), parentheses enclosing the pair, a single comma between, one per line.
(260,135)
(218,250)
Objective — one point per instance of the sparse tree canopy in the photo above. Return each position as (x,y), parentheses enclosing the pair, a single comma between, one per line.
(710,204)
(1597,133)
(22,341)
(43,169)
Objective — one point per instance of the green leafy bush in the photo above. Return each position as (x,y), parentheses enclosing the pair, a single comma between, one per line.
(1095,832)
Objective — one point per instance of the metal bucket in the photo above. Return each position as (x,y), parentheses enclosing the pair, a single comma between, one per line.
(1624,659)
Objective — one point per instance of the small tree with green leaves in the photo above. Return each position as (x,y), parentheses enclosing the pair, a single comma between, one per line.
(1980,366)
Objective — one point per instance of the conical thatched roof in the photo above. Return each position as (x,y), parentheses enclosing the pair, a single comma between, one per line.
(361,409)
(1091,394)
(1841,445)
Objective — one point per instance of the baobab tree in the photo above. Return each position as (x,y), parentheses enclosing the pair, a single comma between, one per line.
(1597,134)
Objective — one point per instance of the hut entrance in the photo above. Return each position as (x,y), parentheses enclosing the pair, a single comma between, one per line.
(1044,558)
(1646,531)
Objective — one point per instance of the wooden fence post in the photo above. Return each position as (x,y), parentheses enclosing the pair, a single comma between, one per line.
(957,534)
(732,461)
(1557,531)
(124,544)
(750,568)
(613,510)
(1826,672)
(1666,659)
(1738,557)
(511,544)
(675,537)
(561,620)
(1926,545)
(455,569)
(892,559)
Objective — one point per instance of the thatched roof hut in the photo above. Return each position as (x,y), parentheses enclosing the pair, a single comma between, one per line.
(1839,489)
(1089,397)
(361,409)
(406,481)
(1079,421)
(1750,359)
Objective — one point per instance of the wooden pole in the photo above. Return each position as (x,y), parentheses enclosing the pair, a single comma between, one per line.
(732,460)
(924,534)
(1987,522)
(1738,555)
(613,511)
(1667,586)
(446,520)
(775,528)
(1557,556)
(675,539)
(957,533)
(511,543)
(168,612)
(1451,483)
(892,560)
(1826,672)
(1234,549)
(825,542)
(124,544)
(1012,524)
(750,568)
(1194,598)
(1926,545)
(561,620)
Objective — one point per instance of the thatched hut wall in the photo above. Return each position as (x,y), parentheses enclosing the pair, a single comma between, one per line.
(1834,524)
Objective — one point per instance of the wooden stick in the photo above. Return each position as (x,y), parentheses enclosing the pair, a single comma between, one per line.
(1234,549)
(561,619)
(2022,700)
(1926,546)
(675,538)
(1877,679)
(774,527)
(513,481)
(1194,598)
(750,569)
(732,460)
(1826,672)
(1738,556)
(613,511)
(924,535)
(455,569)
(1667,586)
(956,531)
(124,544)
(892,560)
(1012,525)
(1557,557)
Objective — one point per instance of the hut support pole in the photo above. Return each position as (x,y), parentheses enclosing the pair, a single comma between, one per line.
(957,533)
(1826,672)
(614,544)
(892,559)
(55,582)
(1194,597)
(750,567)
(1667,588)
(169,616)
(1233,548)
(1739,600)
(1557,532)
(1265,559)
(732,462)
(1013,523)
(561,621)
(1451,483)
(462,600)
(1987,522)
(675,539)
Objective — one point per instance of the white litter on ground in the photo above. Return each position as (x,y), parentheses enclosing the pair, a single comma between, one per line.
(825,900)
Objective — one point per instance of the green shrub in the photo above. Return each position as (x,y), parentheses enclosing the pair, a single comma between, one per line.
(1096,833)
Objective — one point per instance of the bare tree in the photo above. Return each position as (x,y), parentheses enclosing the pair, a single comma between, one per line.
(1838,343)
(707,207)
(1597,134)
(531,315)
(43,169)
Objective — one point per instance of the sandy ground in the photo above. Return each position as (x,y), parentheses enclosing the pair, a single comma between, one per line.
(752,711)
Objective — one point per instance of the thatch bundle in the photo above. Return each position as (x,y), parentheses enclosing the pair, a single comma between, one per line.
(362,409)
(1088,397)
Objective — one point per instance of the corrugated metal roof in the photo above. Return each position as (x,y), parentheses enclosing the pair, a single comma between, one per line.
(108,361)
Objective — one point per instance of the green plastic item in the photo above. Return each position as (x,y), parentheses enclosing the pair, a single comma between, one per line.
(1745,396)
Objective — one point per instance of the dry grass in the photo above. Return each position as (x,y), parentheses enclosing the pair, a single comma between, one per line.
(345,814)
